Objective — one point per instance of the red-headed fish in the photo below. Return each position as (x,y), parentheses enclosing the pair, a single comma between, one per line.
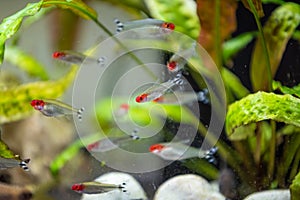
(157,91)
(55,108)
(110,143)
(73,57)
(163,27)
(179,59)
(96,187)
(180,151)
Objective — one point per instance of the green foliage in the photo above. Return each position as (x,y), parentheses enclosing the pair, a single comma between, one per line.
(10,25)
(76,6)
(71,151)
(286,90)
(262,106)
(5,152)
(25,62)
(234,45)
(180,12)
(277,31)
(295,188)
(15,101)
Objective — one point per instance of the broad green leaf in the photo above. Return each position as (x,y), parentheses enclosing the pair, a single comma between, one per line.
(11,24)
(143,114)
(277,31)
(5,152)
(15,101)
(286,90)
(76,6)
(262,106)
(180,12)
(295,188)
(234,45)
(25,62)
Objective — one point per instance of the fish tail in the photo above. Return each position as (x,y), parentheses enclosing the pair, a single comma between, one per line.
(101,60)
(79,113)
(209,155)
(120,25)
(203,96)
(23,164)
(122,187)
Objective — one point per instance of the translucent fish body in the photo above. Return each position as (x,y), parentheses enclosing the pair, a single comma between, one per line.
(55,108)
(179,59)
(96,187)
(179,151)
(73,57)
(157,91)
(161,26)
(111,143)
(6,163)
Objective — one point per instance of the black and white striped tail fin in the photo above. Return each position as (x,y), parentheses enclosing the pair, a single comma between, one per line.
(79,113)
(122,187)
(23,164)
(101,61)
(210,155)
(120,25)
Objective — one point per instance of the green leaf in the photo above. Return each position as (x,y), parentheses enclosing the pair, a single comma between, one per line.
(76,6)
(277,31)
(5,152)
(234,84)
(295,188)
(25,62)
(286,90)
(70,152)
(280,2)
(180,12)
(262,106)
(234,45)
(15,101)
(143,114)
(11,24)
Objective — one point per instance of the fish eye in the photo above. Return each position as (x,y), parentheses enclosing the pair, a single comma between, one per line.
(57,54)
(171,65)
(170,26)
(141,98)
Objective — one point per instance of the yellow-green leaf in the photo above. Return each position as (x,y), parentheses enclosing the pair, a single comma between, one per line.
(15,101)
(25,62)
(180,12)
(11,24)
(261,106)
(5,152)
(76,6)
(277,31)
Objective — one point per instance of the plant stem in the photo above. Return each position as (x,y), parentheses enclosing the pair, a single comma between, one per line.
(257,152)
(218,47)
(263,42)
(290,152)
(272,152)
(295,166)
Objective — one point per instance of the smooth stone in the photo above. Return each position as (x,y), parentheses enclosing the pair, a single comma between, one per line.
(133,189)
(270,195)
(187,187)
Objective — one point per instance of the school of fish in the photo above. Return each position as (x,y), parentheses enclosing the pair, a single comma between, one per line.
(157,93)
